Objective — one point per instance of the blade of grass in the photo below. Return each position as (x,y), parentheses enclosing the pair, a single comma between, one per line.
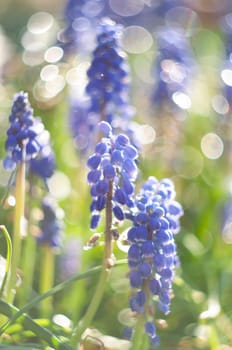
(59,287)
(8,257)
(29,324)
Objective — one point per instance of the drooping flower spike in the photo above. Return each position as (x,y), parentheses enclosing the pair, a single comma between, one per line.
(152,255)
(113,171)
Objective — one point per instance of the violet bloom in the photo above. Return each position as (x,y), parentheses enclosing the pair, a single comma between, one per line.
(51,226)
(152,255)
(43,165)
(113,171)
(80,18)
(173,70)
(107,90)
(22,142)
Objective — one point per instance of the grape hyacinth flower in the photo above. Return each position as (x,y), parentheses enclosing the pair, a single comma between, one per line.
(80,18)
(226,97)
(108,86)
(51,226)
(78,123)
(22,142)
(112,174)
(22,145)
(152,255)
(107,90)
(173,69)
(43,165)
(108,74)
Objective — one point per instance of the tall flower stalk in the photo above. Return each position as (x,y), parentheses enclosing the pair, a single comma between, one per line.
(42,166)
(21,145)
(112,173)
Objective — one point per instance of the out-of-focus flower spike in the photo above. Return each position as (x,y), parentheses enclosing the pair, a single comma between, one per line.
(174,68)
(52,225)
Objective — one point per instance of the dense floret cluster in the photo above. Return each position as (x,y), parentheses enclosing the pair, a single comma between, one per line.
(113,171)
(43,164)
(173,68)
(108,73)
(107,90)
(80,20)
(152,255)
(51,226)
(22,136)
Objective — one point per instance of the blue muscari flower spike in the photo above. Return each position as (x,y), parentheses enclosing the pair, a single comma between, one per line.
(152,255)
(22,142)
(112,169)
(107,90)
(43,164)
(51,226)
(80,18)
(227,64)
(108,74)
(173,69)
(79,126)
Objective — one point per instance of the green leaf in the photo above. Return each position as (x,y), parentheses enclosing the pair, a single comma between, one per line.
(8,256)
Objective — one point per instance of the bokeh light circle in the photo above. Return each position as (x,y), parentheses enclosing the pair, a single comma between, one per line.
(137,39)
(212,146)
(126,8)
(40,22)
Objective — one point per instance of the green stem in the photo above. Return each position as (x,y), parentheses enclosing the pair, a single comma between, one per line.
(138,334)
(28,265)
(28,323)
(18,229)
(58,288)
(46,278)
(105,272)
(29,252)
(8,257)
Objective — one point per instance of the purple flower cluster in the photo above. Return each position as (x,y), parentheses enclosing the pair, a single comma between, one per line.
(108,74)
(80,18)
(227,64)
(152,255)
(51,226)
(112,174)
(43,165)
(27,140)
(173,68)
(22,136)
(107,90)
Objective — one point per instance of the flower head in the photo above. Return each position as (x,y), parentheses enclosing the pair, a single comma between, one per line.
(51,226)
(43,164)
(22,142)
(108,74)
(80,19)
(173,68)
(112,170)
(152,255)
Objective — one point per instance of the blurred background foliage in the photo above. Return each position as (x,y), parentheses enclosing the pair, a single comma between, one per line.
(192,146)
